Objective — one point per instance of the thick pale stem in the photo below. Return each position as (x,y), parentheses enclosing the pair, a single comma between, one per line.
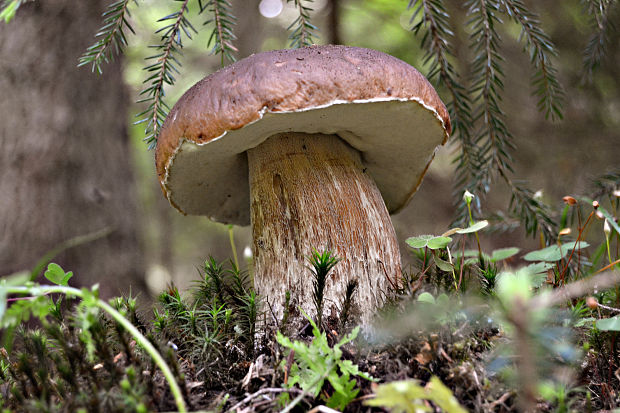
(311,191)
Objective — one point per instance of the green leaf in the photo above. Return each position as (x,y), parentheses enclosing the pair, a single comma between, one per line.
(400,396)
(347,367)
(504,253)
(443,300)
(555,252)
(587,322)
(512,286)
(426,297)
(536,273)
(57,275)
(439,242)
(442,396)
(473,256)
(537,268)
(341,398)
(473,228)
(408,395)
(609,324)
(431,241)
(442,264)
(537,280)
(552,253)
(419,241)
(574,244)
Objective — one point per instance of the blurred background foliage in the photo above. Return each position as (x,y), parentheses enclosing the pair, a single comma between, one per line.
(556,158)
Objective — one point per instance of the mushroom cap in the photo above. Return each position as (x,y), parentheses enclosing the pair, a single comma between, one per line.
(378,104)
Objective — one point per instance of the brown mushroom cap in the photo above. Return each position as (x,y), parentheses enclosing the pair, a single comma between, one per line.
(378,104)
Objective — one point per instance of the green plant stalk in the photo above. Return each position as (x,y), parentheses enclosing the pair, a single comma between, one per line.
(456,285)
(607,236)
(611,263)
(232,239)
(471,222)
(65,245)
(140,339)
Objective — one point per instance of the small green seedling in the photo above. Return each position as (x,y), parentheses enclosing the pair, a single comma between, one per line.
(56,275)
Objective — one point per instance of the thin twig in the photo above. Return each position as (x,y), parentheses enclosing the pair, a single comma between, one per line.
(576,244)
(267,390)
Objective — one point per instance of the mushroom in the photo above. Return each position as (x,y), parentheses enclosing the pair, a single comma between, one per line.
(315,147)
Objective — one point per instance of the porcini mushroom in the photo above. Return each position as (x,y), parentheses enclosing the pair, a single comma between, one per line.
(315,147)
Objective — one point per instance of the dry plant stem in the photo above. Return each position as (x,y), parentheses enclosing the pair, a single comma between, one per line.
(581,229)
(268,390)
(608,266)
(311,191)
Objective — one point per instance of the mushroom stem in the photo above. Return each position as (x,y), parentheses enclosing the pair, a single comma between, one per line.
(311,191)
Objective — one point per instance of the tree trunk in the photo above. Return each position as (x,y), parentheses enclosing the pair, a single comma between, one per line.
(311,191)
(64,157)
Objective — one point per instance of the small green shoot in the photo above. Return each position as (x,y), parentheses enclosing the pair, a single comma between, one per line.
(322,264)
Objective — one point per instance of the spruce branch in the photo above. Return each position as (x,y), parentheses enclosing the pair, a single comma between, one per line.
(485,141)
(541,50)
(303,30)
(488,147)
(596,48)
(607,185)
(165,62)
(222,35)
(112,39)
(493,138)
(532,212)
(9,8)
(431,18)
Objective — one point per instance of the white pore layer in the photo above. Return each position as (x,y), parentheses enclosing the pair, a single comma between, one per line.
(396,138)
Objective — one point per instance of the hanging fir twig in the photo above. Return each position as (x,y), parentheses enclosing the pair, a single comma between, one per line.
(112,39)
(541,50)
(165,62)
(303,30)
(9,8)
(478,120)
(594,52)
(430,17)
(492,137)
(222,35)
(532,212)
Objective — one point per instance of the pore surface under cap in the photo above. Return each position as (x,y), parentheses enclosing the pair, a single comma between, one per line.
(380,105)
